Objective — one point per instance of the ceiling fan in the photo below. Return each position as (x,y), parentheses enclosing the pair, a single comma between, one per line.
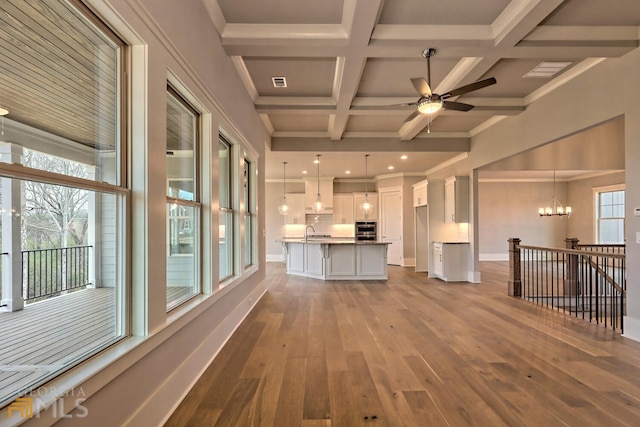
(430,102)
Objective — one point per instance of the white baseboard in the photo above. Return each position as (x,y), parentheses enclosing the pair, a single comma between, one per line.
(183,378)
(494,257)
(275,258)
(473,276)
(409,262)
(631,328)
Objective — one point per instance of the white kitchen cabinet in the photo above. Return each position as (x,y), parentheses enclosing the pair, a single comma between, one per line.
(343,208)
(336,260)
(450,261)
(358,199)
(326,193)
(420,193)
(421,230)
(296,214)
(456,199)
(305,259)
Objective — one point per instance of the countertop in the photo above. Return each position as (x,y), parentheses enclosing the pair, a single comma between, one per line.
(331,241)
(453,243)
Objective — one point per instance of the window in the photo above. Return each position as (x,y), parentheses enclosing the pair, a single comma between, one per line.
(183,207)
(249,214)
(610,215)
(226,209)
(62,190)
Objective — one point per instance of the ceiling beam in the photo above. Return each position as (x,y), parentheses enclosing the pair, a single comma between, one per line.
(431,143)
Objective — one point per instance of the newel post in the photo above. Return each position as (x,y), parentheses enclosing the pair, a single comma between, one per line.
(571,282)
(515,284)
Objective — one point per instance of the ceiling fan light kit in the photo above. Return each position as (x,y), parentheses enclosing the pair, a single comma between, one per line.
(429,106)
(430,103)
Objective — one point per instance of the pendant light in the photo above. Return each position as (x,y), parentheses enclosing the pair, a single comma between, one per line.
(283,208)
(3,112)
(366,206)
(555,208)
(318,206)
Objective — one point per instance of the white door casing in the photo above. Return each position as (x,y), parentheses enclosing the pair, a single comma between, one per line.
(390,223)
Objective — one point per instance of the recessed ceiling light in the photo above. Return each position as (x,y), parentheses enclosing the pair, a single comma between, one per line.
(279,81)
(304,172)
(404,157)
(347,172)
(390,168)
(547,69)
(316,161)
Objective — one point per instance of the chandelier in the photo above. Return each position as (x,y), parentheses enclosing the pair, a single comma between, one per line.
(555,208)
(283,208)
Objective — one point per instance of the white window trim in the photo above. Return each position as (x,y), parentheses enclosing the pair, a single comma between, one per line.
(594,198)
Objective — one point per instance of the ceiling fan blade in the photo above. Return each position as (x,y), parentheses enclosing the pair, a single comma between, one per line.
(458,106)
(404,104)
(412,116)
(470,88)
(421,86)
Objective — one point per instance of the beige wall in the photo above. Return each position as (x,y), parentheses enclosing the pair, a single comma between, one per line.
(510,209)
(274,221)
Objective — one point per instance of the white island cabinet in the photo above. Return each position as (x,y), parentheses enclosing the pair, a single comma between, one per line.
(336,259)
(450,261)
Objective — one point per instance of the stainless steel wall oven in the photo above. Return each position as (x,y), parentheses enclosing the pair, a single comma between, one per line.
(366,230)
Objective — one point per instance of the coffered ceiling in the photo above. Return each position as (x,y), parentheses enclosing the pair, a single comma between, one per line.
(347,62)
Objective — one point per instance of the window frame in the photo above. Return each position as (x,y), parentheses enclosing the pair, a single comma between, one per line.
(227,211)
(597,193)
(195,204)
(249,213)
(119,189)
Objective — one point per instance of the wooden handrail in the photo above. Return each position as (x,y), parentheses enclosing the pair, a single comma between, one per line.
(607,277)
(573,251)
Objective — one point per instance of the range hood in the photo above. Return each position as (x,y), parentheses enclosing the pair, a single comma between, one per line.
(326,194)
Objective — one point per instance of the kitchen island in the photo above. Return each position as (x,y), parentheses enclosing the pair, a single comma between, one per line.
(336,259)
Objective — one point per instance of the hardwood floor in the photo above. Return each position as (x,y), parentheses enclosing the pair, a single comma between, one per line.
(413,351)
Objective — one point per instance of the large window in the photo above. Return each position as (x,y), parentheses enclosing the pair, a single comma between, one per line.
(62,190)
(225,177)
(249,214)
(183,207)
(610,215)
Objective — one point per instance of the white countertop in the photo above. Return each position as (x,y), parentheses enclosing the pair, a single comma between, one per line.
(331,241)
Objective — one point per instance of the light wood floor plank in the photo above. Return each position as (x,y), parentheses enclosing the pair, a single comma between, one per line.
(414,351)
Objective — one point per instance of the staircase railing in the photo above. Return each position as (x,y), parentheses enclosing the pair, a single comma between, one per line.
(587,281)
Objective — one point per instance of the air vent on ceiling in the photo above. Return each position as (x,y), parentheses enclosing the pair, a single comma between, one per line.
(279,81)
(547,69)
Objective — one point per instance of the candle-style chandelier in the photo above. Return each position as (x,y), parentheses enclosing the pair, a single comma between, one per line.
(555,208)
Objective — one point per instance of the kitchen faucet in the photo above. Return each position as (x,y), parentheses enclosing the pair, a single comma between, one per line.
(306,230)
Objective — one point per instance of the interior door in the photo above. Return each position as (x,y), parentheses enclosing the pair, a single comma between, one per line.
(391,224)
